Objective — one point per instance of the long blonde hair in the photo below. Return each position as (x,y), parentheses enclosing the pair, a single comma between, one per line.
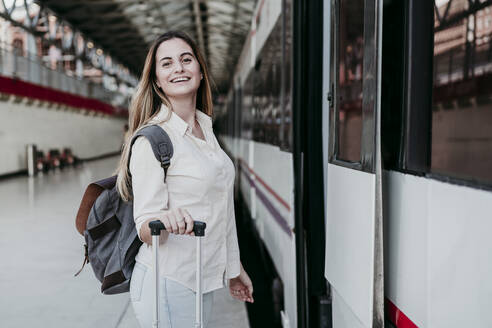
(147,101)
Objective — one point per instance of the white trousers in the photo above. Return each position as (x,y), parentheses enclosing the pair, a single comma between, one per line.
(177,302)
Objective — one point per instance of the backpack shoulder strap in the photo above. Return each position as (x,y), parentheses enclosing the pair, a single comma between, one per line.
(160,142)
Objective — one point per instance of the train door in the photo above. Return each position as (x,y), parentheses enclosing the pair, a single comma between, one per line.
(354,250)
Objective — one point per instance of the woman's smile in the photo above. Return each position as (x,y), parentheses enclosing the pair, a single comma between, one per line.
(180,79)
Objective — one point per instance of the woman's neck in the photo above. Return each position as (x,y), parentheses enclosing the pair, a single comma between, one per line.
(185,108)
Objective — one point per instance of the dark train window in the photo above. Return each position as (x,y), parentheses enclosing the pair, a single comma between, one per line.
(350,57)
(462,93)
(247,118)
(392,85)
(267,90)
(259,101)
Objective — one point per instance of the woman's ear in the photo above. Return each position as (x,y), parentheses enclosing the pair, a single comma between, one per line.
(201,76)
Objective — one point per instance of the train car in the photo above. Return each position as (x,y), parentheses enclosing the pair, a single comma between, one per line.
(361,136)
(257,129)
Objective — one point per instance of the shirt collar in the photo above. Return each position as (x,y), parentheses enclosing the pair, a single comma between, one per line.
(179,124)
(203,119)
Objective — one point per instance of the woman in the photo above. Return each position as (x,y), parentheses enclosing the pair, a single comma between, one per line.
(198,186)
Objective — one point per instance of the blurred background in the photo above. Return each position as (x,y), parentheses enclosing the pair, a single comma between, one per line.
(67,72)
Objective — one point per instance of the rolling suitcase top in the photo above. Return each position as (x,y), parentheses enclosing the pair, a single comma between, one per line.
(199,230)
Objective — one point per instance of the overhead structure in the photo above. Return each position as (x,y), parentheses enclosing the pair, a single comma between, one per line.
(126,28)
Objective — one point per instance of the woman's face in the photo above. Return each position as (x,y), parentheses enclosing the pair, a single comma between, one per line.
(177,69)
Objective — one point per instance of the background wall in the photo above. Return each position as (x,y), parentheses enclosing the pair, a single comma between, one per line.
(22,123)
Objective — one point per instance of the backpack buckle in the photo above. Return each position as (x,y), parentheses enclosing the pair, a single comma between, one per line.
(165,162)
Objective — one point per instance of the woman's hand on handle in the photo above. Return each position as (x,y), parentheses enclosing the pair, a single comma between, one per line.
(177,221)
(241,287)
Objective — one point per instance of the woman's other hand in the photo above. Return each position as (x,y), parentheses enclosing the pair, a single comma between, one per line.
(241,287)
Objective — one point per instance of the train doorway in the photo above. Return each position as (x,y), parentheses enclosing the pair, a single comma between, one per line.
(354,246)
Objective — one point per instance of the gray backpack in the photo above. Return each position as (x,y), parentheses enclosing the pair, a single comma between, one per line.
(106,222)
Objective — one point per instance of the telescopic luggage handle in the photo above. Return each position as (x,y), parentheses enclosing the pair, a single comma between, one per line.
(199,230)
(157,225)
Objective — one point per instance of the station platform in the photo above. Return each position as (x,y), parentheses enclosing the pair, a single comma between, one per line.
(41,251)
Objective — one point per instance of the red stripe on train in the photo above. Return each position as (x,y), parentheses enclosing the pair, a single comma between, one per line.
(397,317)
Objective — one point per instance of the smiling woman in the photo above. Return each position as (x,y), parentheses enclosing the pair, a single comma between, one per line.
(174,93)
(178,71)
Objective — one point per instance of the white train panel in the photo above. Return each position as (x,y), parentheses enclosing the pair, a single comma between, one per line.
(438,248)
(350,238)
(406,206)
(275,169)
(343,317)
(460,263)
(406,243)
(267,191)
(274,219)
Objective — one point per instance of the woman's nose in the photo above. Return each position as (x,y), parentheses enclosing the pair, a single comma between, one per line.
(178,67)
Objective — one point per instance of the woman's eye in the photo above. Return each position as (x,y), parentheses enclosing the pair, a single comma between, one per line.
(166,64)
(187,60)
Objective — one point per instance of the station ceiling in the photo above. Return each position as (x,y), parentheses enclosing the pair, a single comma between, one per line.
(126,28)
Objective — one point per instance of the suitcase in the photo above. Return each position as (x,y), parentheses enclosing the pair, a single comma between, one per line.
(199,230)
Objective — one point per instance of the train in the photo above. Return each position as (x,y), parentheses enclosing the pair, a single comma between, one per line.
(360,132)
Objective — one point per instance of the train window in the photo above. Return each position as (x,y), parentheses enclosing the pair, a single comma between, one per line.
(267,90)
(247,117)
(462,97)
(349,60)
(392,104)
(259,102)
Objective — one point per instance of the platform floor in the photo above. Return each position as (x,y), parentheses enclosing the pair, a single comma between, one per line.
(41,250)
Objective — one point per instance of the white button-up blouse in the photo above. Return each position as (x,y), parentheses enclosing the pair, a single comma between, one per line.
(199,179)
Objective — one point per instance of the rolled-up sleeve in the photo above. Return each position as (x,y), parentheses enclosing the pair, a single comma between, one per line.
(150,193)
(233,258)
